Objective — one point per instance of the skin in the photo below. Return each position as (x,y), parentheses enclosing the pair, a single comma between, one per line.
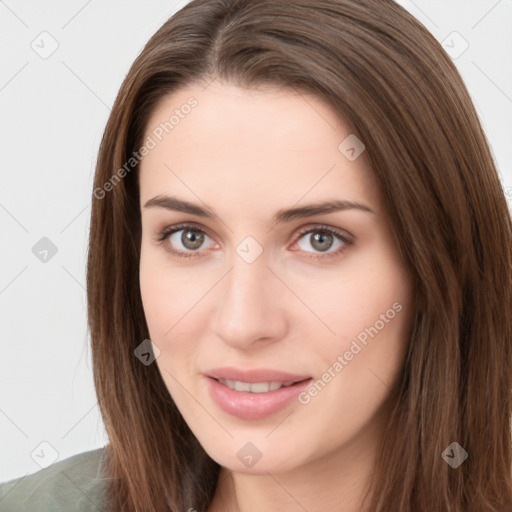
(247,153)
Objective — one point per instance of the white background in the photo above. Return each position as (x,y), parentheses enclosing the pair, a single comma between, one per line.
(52,115)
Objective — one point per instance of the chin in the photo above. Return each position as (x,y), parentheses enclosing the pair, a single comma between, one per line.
(241,455)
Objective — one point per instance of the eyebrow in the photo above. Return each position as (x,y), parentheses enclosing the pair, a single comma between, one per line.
(285,215)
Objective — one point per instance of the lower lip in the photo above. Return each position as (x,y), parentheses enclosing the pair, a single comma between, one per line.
(253,406)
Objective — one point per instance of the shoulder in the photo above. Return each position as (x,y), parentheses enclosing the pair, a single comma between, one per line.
(73,484)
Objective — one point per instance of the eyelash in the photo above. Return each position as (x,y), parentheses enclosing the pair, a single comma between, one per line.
(168,231)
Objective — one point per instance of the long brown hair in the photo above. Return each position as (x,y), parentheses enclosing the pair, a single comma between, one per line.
(380,69)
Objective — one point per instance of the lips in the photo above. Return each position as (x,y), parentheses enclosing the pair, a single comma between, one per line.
(254,405)
(256,375)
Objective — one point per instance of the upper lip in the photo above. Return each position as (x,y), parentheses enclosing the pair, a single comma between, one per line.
(256,375)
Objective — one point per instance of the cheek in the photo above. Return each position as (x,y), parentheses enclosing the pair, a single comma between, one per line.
(153,300)
(375,291)
(359,365)
(159,295)
(169,296)
(369,309)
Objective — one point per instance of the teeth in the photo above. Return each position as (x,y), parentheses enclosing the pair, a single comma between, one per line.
(242,386)
(254,387)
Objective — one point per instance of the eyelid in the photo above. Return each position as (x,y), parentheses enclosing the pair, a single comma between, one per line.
(164,234)
(346,238)
(326,227)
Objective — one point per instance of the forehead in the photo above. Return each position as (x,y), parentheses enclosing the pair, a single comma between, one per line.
(273,117)
(259,143)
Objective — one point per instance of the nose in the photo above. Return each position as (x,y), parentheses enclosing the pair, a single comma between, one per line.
(250,306)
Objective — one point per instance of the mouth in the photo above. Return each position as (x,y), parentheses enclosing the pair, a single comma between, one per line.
(231,376)
(255,398)
(257,387)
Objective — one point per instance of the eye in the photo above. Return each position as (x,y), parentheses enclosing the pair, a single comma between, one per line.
(189,239)
(322,239)
(188,242)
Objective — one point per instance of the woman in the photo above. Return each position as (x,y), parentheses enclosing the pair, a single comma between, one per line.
(299,272)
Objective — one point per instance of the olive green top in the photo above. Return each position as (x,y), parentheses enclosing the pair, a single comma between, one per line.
(74,484)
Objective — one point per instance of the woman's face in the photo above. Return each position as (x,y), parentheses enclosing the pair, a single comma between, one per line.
(264,288)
